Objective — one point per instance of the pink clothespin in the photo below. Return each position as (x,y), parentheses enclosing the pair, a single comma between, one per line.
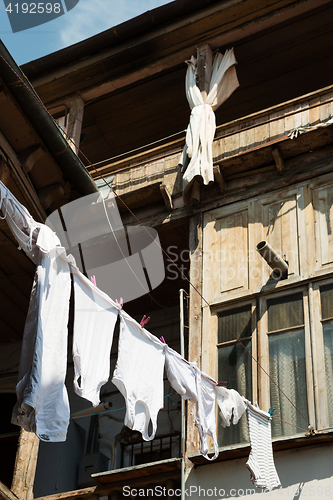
(162,340)
(120,303)
(93,279)
(144,321)
(221,384)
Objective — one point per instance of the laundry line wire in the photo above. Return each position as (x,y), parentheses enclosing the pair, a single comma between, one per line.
(22,79)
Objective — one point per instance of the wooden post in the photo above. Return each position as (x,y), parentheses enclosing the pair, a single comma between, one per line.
(75,119)
(204,73)
(25,465)
(204,69)
(195,321)
(278,160)
(4,171)
(6,493)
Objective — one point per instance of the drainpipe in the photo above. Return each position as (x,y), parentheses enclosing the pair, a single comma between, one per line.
(25,95)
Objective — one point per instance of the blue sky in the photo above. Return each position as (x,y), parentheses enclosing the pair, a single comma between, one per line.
(88,18)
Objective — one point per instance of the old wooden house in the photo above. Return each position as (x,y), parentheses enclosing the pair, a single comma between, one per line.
(120,97)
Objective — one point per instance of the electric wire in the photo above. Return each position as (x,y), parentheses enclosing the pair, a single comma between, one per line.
(165,253)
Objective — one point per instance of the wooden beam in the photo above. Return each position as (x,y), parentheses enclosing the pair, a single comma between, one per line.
(278,160)
(3,94)
(219,178)
(75,119)
(29,157)
(49,194)
(4,171)
(6,493)
(195,322)
(23,182)
(25,465)
(204,65)
(166,197)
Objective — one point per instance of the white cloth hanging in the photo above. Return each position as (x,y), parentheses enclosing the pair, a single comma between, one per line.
(95,316)
(139,375)
(231,404)
(192,384)
(42,401)
(201,129)
(261,462)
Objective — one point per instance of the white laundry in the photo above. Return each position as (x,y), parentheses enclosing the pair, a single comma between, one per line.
(23,226)
(95,316)
(192,384)
(201,129)
(261,462)
(42,405)
(231,404)
(139,375)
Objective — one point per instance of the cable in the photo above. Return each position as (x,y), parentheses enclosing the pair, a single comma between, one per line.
(130,211)
(293,425)
(136,149)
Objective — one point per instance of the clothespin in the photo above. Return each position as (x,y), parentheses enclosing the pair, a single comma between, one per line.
(221,384)
(120,303)
(144,321)
(170,399)
(162,340)
(271,411)
(93,279)
(312,431)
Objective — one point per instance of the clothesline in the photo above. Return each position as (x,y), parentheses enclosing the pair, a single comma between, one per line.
(184,276)
(43,405)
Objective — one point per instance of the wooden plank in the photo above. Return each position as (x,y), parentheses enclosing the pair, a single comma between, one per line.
(263,358)
(278,160)
(306,231)
(317,345)
(4,171)
(204,65)
(25,465)
(309,363)
(195,319)
(6,493)
(255,236)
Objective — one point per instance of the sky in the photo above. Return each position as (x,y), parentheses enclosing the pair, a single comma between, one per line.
(86,19)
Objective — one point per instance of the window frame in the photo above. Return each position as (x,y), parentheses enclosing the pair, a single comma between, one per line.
(318,348)
(263,350)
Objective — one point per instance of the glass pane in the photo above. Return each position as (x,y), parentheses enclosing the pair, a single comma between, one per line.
(285,312)
(236,320)
(328,352)
(326,296)
(287,369)
(235,369)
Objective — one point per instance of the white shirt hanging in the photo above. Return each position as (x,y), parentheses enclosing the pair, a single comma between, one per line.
(201,129)
(95,316)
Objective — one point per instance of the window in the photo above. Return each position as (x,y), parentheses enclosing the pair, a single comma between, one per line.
(286,325)
(294,341)
(287,368)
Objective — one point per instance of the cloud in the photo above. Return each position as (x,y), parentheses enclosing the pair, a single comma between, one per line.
(90,17)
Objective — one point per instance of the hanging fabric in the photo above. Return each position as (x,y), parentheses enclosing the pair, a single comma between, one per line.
(261,462)
(42,401)
(139,375)
(197,156)
(231,404)
(192,384)
(95,316)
